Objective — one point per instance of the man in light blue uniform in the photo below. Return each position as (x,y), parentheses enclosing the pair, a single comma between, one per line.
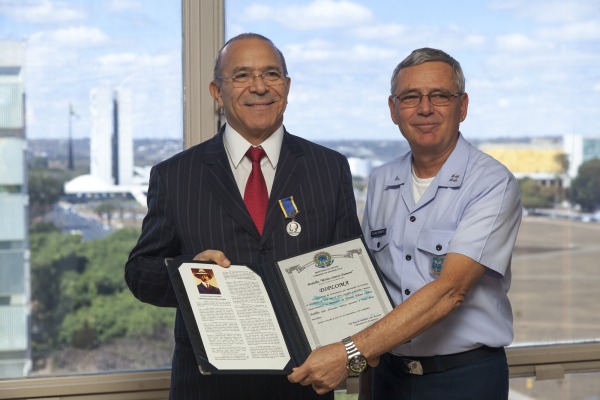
(441,221)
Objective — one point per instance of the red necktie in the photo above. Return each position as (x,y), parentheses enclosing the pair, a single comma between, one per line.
(255,195)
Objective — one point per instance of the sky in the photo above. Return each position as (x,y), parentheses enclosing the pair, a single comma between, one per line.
(532,66)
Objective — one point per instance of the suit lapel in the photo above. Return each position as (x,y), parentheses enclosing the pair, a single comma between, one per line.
(216,173)
(287,178)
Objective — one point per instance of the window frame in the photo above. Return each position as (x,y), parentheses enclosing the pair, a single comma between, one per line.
(203,26)
(544,362)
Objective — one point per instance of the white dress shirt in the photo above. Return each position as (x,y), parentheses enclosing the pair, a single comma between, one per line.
(236,147)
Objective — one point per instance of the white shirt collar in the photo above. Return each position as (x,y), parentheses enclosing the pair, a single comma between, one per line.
(237,146)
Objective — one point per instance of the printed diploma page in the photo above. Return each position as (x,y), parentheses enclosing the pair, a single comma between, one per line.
(336,291)
(268,318)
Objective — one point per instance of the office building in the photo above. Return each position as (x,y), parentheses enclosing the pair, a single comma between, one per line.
(15,358)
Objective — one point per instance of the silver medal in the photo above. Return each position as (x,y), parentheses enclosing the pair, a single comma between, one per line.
(293,228)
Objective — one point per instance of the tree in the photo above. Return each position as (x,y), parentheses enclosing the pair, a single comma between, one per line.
(106,208)
(45,188)
(562,160)
(534,195)
(79,296)
(585,188)
(53,254)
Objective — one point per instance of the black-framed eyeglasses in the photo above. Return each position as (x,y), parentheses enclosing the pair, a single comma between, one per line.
(243,79)
(437,98)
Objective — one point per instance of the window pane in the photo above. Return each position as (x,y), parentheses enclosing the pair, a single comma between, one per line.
(576,386)
(90,98)
(526,74)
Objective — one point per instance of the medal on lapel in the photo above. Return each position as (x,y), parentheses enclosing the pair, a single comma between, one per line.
(290,210)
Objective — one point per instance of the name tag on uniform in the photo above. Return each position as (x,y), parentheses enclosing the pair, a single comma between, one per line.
(378,232)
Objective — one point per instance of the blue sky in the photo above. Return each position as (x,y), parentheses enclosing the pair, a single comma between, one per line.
(532,67)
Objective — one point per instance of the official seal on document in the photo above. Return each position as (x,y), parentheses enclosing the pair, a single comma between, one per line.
(323,259)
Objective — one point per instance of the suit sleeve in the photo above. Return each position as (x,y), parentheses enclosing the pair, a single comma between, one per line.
(347,225)
(145,271)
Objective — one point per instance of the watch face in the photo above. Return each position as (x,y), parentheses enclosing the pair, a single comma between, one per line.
(357,364)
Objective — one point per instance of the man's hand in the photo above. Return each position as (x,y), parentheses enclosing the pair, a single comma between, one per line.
(216,256)
(324,369)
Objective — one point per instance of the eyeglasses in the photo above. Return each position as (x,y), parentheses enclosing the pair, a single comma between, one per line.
(243,79)
(437,98)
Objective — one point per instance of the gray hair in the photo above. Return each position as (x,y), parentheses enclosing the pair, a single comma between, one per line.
(244,36)
(426,54)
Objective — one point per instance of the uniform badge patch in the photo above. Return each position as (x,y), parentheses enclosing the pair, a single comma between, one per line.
(436,265)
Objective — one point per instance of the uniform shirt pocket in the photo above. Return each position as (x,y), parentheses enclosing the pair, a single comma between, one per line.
(379,239)
(378,242)
(434,244)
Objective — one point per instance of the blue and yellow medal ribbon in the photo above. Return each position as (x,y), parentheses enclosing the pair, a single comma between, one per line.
(288,207)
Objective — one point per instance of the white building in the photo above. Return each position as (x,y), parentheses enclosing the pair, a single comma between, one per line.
(112,171)
(122,138)
(580,149)
(111,139)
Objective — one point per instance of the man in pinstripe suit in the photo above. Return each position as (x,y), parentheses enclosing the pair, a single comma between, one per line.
(196,208)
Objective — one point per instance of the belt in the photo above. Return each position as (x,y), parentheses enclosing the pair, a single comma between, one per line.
(428,365)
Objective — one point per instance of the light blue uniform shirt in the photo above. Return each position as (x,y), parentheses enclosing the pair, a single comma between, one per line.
(472,207)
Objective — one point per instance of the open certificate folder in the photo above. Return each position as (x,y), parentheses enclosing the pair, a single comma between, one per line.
(268,318)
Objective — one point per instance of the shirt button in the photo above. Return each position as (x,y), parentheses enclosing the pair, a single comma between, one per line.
(263,250)
(412,218)
(438,247)
(408,257)
(378,244)
(407,291)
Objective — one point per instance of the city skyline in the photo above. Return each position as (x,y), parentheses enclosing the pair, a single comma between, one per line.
(532,68)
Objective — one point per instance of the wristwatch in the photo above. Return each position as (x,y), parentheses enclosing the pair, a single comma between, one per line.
(357,363)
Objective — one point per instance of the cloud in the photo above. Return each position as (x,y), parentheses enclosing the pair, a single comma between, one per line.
(503,102)
(378,31)
(120,64)
(583,30)
(405,38)
(319,14)
(334,53)
(124,5)
(551,11)
(61,47)
(516,42)
(44,11)
(475,40)
(76,36)
(506,83)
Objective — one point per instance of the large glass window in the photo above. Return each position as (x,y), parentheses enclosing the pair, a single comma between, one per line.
(532,78)
(525,65)
(90,98)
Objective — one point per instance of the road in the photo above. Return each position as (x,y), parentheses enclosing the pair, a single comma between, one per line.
(555,295)
(69,220)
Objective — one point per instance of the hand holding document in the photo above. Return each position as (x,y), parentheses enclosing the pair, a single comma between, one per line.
(268,318)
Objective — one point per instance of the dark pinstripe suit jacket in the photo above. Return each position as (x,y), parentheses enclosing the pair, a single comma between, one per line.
(194,204)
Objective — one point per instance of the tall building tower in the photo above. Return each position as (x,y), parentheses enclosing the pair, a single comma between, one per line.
(100,137)
(15,354)
(122,154)
(111,141)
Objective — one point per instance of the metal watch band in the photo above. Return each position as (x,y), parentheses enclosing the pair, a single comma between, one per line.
(357,363)
(351,349)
